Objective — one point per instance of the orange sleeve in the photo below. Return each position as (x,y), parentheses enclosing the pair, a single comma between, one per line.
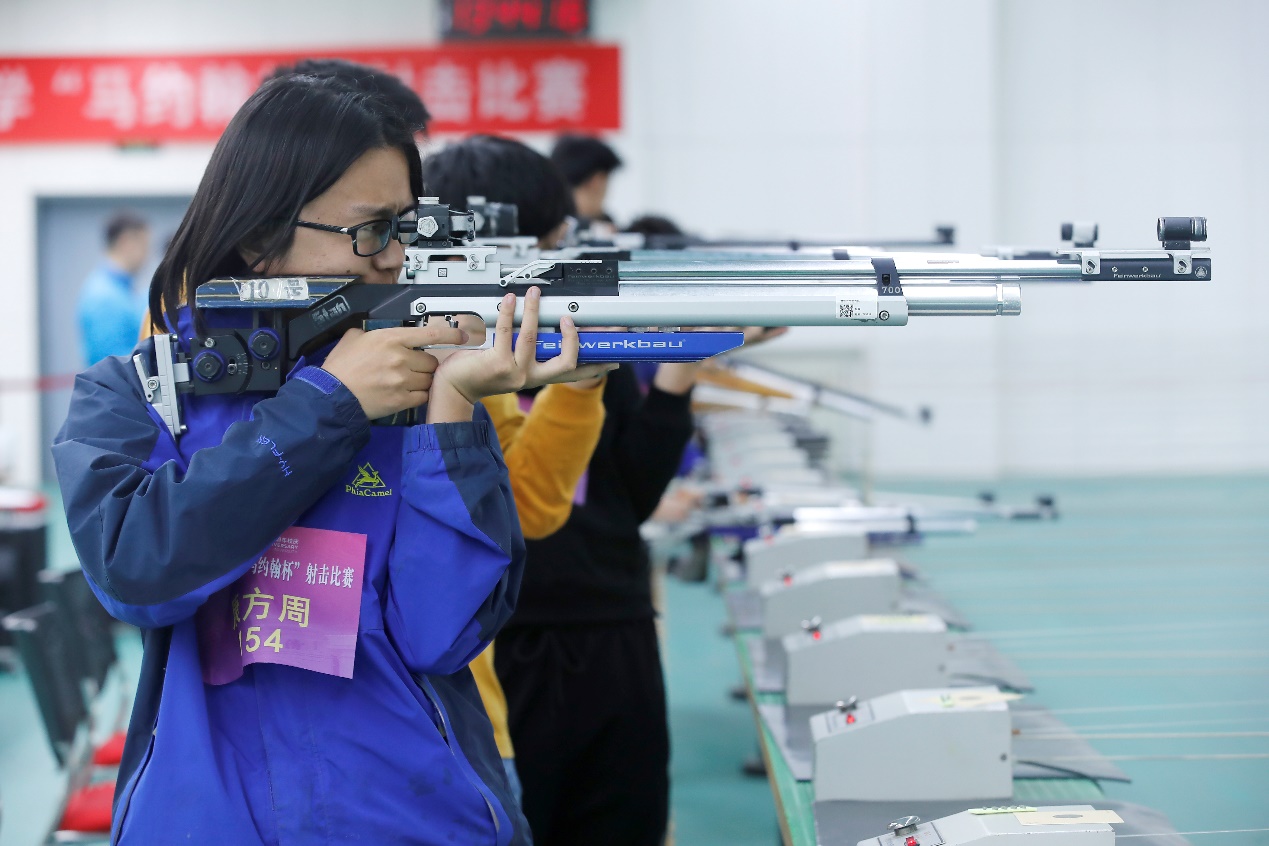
(548,452)
(494,700)
(508,419)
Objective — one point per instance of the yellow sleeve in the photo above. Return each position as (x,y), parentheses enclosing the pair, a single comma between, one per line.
(495,701)
(549,453)
(508,419)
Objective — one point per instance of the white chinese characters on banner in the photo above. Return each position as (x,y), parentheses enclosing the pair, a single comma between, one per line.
(446,88)
(68,82)
(551,90)
(501,87)
(560,89)
(152,99)
(110,96)
(168,96)
(15,96)
(222,89)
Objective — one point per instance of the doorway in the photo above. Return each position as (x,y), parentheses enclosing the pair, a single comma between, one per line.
(71,244)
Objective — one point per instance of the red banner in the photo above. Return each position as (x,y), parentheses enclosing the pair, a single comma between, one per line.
(150,99)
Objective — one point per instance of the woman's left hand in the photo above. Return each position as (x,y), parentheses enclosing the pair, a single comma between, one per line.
(467,376)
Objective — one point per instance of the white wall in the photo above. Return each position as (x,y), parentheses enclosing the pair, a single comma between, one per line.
(1118,112)
(867,117)
(1005,118)
(826,118)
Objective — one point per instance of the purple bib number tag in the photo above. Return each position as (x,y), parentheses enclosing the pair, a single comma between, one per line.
(298,605)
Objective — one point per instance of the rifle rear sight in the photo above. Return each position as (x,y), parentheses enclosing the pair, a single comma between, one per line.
(438,225)
(1176,233)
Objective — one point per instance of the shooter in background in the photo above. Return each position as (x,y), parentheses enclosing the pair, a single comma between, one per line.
(548,448)
(109,307)
(580,661)
(587,163)
(653,224)
(503,170)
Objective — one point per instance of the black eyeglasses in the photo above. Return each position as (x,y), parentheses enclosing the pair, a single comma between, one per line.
(373,236)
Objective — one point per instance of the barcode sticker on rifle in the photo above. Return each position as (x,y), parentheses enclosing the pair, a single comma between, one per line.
(858,305)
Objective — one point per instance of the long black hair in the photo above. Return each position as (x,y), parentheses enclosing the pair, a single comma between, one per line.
(503,171)
(292,139)
(389,88)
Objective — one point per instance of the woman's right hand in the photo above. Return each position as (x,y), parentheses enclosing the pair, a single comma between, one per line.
(383,368)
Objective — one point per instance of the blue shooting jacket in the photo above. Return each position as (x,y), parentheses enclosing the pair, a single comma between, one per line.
(402,752)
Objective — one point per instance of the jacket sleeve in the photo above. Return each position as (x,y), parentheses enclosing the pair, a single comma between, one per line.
(553,450)
(649,448)
(457,556)
(155,540)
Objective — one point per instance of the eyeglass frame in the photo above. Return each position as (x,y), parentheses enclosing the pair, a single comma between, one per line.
(394,231)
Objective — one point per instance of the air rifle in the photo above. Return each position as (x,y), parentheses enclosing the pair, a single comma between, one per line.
(782,393)
(265,325)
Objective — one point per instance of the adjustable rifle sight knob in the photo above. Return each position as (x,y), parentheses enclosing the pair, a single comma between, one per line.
(209,365)
(264,344)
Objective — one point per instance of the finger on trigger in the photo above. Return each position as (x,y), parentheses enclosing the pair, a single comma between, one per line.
(426,336)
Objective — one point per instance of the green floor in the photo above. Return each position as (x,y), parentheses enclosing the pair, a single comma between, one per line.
(1148,597)
(711,734)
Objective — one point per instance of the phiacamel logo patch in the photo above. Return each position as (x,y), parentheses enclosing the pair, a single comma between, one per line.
(368,483)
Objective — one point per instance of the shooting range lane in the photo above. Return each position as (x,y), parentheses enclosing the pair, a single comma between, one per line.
(1139,616)
(1149,598)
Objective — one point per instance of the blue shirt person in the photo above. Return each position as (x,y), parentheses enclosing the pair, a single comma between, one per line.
(109,310)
